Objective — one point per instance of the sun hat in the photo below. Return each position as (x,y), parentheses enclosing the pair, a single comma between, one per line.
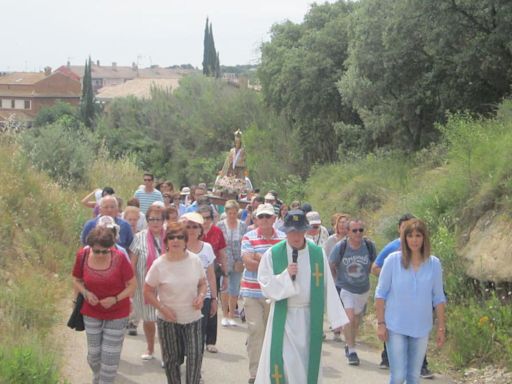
(193,217)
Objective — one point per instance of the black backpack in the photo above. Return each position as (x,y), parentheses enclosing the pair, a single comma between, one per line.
(369,245)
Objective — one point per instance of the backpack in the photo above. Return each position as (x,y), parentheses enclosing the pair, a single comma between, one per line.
(369,245)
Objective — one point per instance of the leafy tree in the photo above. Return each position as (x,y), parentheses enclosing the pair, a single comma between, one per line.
(185,135)
(49,115)
(411,61)
(299,70)
(87,108)
(60,150)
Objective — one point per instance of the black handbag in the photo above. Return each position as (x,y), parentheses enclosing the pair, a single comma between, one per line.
(76,320)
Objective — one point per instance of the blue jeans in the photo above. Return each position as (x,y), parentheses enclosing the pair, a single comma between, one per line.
(405,356)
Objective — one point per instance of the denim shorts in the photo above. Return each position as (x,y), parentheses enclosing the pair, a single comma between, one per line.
(234,283)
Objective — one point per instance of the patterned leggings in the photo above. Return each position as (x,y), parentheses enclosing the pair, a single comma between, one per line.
(104,343)
(178,340)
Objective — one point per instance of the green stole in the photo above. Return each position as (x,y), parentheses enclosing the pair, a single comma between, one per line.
(280,263)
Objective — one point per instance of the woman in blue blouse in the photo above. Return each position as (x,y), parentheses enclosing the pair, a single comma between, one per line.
(410,285)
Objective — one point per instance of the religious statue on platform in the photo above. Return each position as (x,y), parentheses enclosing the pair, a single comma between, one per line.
(232,179)
(235,164)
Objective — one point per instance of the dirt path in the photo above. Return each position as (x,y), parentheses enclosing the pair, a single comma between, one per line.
(229,366)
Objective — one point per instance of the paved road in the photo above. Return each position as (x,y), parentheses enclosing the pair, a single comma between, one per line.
(229,366)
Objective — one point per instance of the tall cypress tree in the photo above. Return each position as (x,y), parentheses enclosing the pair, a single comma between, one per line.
(211,65)
(206,50)
(87,103)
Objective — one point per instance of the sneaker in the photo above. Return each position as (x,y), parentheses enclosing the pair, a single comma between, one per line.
(132,331)
(426,374)
(242,315)
(251,380)
(224,322)
(353,359)
(384,364)
(147,356)
(232,323)
(337,337)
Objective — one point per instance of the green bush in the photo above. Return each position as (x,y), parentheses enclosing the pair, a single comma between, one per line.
(27,364)
(481,332)
(59,150)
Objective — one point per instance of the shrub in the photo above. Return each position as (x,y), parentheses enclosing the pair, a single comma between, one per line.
(27,364)
(480,332)
(63,153)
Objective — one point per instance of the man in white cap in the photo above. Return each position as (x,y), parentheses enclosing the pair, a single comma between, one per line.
(254,244)
(295,276)
(318,234)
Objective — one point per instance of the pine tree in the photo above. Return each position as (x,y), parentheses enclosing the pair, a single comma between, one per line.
(87,103)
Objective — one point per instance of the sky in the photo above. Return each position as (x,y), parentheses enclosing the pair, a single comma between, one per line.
(39,33)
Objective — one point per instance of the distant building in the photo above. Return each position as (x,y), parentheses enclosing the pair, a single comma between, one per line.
(139,88)
(111,75)
(25,93)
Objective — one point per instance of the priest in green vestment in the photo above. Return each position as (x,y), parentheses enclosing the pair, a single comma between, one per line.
(294,275)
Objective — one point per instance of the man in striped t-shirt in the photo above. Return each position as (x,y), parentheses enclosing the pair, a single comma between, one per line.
(148,195)
(254,245)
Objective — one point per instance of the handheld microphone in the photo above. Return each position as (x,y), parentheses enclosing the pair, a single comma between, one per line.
(295,255)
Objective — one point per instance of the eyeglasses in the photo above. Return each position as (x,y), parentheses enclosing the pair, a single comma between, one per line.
(155,219)
(148,179)
(192,226)
(101,251)
(355,230)
(207,217)
(174,237)
(264,216)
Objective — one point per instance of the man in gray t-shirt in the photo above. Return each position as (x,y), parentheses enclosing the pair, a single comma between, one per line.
(351,262)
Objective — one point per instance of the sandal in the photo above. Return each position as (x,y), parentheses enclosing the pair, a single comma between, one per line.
(211,348)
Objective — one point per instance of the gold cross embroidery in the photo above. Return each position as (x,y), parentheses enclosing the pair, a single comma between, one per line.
(277,376)
(317,275)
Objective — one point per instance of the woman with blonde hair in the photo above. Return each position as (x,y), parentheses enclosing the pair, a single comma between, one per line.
(233,230)
(340,232)
(410,284)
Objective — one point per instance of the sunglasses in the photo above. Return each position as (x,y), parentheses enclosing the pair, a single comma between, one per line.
(174,237)
(155,219)
(316,226)
(101,251)
(355,230)
(192,226)
(264,216)
(148,179)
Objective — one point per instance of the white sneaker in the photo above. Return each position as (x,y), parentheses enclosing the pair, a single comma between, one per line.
(224,322)
(232,323)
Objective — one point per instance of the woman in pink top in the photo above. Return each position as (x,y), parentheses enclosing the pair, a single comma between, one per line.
(176,286)
(105,277)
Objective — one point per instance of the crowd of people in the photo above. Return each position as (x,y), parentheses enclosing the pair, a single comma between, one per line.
(169,257)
